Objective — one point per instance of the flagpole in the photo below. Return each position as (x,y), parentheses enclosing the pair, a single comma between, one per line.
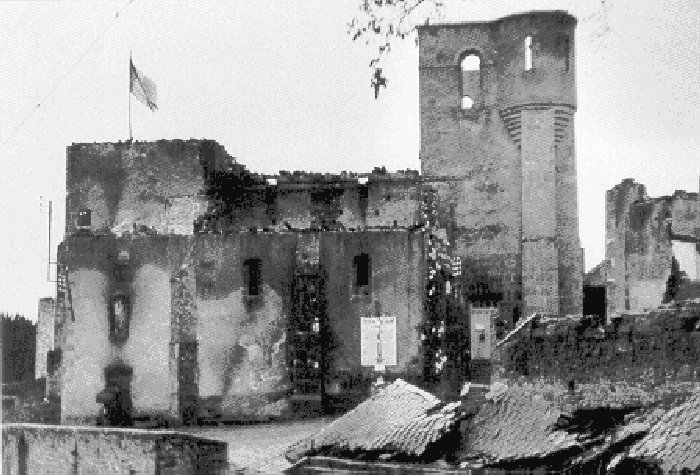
(130,63)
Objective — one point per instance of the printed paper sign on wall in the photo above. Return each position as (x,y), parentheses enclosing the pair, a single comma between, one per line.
(378,341)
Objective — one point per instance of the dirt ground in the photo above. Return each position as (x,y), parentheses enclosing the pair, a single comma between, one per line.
(258,448)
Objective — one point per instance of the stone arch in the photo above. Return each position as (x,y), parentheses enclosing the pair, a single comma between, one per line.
(470,63)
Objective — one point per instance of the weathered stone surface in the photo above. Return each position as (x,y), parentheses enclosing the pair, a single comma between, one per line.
(640,232)
(34,448)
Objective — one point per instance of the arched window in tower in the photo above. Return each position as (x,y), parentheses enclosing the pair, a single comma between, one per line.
(471,79)
(528,53)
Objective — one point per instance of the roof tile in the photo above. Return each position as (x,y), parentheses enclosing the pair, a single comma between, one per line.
(400,417)
(674,441)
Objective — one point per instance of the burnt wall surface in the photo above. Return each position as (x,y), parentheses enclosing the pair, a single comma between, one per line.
(507,162)
(167,186)
(302,201)
(640,232)
(182,318)
(158,185)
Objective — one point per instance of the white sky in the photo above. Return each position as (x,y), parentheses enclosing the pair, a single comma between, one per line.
(282,87)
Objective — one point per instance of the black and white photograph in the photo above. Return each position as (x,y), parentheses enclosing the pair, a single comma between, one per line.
(350,236)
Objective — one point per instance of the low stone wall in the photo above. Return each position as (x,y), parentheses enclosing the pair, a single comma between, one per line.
(661,345)
(36,448)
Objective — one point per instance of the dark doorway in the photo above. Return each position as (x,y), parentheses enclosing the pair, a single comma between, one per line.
(594,302)
(116,397)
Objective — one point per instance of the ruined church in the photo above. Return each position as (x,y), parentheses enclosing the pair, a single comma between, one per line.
(191,287)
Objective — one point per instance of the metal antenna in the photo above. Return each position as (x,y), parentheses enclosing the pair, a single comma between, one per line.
(50,222)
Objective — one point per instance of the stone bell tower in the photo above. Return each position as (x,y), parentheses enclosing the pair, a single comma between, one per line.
(497,104)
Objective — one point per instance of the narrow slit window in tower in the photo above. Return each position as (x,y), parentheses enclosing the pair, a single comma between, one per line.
(528,53)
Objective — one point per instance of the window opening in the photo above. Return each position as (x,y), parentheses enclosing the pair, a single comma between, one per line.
(363,200)
(253,276)
(471,62)
(84,218)
(363,271)
(528,53)
(471,79)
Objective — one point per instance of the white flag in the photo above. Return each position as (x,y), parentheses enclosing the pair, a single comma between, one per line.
(143,88)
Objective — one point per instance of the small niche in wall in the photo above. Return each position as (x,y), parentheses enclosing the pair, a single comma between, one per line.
(119,318)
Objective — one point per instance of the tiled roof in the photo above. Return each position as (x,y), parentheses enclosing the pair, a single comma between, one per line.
(515,424)
(380,422)
(674,441)
(414,436)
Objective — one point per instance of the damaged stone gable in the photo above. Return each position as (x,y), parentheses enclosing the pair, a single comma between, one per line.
(648,241)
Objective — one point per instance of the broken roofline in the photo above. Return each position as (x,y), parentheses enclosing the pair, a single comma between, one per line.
(283,176)
(342,179)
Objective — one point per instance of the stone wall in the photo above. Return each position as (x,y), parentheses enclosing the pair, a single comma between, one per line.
(89,348)
(44,335)
(241,337)
(196,334)
(397,289)
(157,185)
(505,168)
(34,448)
(640,235)
(645,350)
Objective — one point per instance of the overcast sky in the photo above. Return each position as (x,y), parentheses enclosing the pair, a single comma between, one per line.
(282,87)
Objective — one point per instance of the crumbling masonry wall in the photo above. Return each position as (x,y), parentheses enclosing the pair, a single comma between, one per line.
(651,352)
(197,339)
(640,232)
(159,185)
